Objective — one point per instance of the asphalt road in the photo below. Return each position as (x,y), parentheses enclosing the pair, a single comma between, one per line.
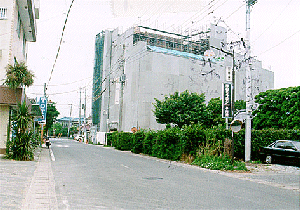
(96,177)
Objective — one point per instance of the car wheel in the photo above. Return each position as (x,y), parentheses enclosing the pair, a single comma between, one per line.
(268,159)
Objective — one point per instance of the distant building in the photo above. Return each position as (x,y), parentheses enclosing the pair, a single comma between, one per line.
(133,68)
(17,27)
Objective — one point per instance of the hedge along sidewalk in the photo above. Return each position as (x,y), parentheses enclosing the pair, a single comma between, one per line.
(174,142)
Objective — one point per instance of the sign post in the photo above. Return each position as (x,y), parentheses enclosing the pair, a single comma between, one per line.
(226,100)
(42,121)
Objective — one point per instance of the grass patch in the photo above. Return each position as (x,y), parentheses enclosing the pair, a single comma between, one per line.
(219,163)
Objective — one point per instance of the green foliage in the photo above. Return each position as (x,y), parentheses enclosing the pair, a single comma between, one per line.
(192,141)
(22,143)
(58,128)
(214,108)
(181,109)
(51,116)
(18,75)
(219,163)
(239,104)
(138,138)
(279,109)
(192,138)
(261,138)
(167,144)
(122,140)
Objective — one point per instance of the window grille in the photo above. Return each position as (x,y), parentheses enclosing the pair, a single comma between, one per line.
(3,13)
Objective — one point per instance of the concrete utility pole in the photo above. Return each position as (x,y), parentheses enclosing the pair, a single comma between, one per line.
(249,97)
(79,120)
(70,121)
(84,116)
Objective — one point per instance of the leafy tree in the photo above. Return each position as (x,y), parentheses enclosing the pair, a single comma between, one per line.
(214,108)
(181,109)
(278,109)
(18,75)
(51,115)
(239,104)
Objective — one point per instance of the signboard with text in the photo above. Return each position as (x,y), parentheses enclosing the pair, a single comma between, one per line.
(43,107)
(226,100)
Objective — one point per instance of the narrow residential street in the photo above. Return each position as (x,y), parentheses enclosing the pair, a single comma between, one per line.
(95,177)
(73,175)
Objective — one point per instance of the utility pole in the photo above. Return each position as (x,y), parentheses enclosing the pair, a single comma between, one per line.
(249,97)
(70,121)
(84,116)
(79,120)
(42,124)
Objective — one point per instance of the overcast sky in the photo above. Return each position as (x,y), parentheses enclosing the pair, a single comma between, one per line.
(275,35)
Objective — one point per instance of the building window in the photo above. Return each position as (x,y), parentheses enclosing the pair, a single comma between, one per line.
(3,13)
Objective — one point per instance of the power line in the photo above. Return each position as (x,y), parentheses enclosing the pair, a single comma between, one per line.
(280,42)
(272,22)
(61,39)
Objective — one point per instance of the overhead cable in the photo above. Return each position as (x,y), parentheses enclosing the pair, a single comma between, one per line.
(61,39)
(280,42)
(272,22)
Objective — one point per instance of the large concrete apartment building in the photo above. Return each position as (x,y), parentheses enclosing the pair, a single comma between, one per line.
(133,68)
(17,28)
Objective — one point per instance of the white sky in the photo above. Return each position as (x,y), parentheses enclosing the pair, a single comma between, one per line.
(275,35)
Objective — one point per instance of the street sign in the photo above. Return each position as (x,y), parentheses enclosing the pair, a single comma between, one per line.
(226,100)
(228,74)
(43,107)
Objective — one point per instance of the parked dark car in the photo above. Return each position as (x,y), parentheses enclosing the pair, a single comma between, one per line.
(282,151)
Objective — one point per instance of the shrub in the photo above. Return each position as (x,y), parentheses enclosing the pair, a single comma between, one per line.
(23,142)
(192,138)
(137,142)
(167,144)
(223,162)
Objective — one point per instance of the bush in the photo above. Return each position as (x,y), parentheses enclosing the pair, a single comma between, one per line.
(23,141)
(190,141)
(137,142)
(219,163)
(167,144)
(21,147)
(193,137)
(261,138)
(122,141)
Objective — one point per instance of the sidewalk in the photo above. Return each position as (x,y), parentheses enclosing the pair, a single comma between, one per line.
(28,184)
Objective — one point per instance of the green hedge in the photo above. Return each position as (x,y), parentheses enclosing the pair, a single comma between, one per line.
(262,138)
(173,143)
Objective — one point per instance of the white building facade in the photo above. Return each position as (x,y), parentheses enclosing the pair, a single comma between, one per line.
(142,64)
(17,28)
